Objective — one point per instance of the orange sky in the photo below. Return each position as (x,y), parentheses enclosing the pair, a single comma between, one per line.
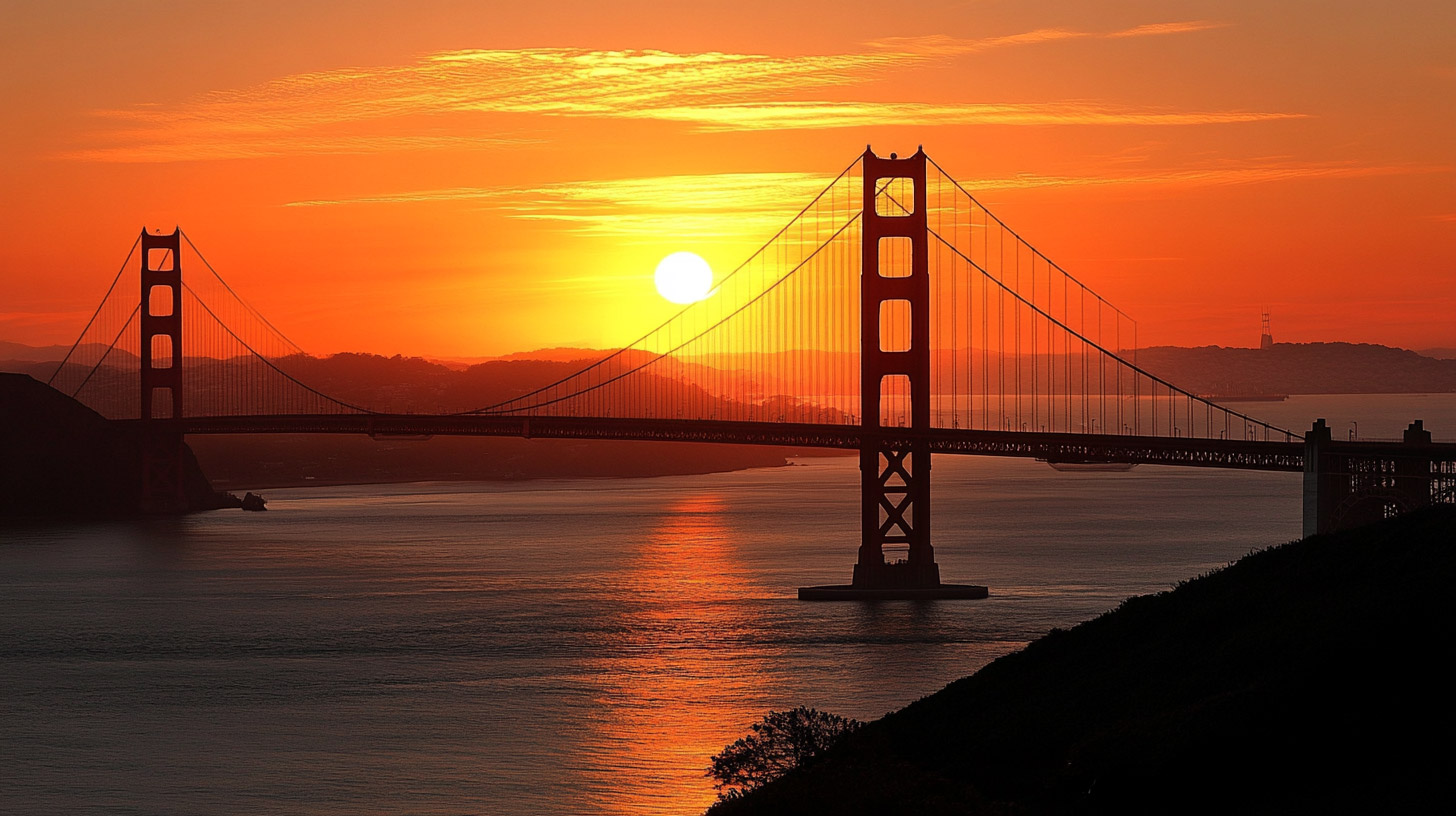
(472,178)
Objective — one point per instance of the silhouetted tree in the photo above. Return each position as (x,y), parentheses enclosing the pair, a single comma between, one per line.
(780,742)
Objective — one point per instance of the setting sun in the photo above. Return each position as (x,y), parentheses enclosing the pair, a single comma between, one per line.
(683,277)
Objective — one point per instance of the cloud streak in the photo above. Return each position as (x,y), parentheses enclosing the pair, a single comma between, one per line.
(442,101)
(739,206)
(238,145)
(1261,173)
(825,115)
(941,45)
(714,207)
(377,109)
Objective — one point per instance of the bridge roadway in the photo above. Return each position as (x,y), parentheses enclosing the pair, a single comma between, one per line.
(1054,447)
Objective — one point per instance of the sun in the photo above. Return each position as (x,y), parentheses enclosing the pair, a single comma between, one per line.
(683,277)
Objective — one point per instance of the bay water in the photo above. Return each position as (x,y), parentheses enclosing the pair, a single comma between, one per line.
(554,647)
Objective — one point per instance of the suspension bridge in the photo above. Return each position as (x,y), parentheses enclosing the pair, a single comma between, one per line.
(894,315)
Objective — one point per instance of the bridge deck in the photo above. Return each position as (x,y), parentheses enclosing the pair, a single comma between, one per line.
(1055,447)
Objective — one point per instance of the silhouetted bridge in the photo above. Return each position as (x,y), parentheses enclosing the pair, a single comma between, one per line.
(894,315)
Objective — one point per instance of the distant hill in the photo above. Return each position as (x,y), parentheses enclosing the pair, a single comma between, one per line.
(1300,368)
(1308,678)
(1439,353)
(560,354)
(30,354)
(402,383)
(19,352)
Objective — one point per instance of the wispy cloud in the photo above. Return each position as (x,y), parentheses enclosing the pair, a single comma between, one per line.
(485,98)
(821,115)
(1158,29)
(726,206)
(735,206)
(1250,173)
(326,111)
(264,145)
(941,45)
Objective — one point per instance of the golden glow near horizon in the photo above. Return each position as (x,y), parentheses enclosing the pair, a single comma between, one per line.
(454,180)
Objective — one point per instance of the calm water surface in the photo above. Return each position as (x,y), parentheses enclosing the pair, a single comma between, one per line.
(550,647)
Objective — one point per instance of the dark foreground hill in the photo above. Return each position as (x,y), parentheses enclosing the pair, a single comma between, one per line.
(60,458)
(1309,678)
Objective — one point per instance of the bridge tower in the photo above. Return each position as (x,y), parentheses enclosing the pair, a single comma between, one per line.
(894,465)
(162,451)
(894,476)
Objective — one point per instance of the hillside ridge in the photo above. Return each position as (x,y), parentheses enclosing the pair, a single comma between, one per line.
(1303,678)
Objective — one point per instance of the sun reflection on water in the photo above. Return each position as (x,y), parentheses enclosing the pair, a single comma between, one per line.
(675,692)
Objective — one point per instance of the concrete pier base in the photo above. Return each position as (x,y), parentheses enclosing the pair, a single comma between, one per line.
(846,592)
(898,581)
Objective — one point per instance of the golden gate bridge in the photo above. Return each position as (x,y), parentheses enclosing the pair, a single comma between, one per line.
(893,315)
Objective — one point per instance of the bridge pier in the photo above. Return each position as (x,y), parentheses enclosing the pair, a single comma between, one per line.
(894,473)
(163,462)
(1349,484)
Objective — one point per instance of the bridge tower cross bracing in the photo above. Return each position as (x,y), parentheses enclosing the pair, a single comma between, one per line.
(1349,484)
(894,476)
(163,462)
(161,317)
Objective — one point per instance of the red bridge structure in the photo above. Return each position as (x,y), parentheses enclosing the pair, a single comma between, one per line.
(893,315)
